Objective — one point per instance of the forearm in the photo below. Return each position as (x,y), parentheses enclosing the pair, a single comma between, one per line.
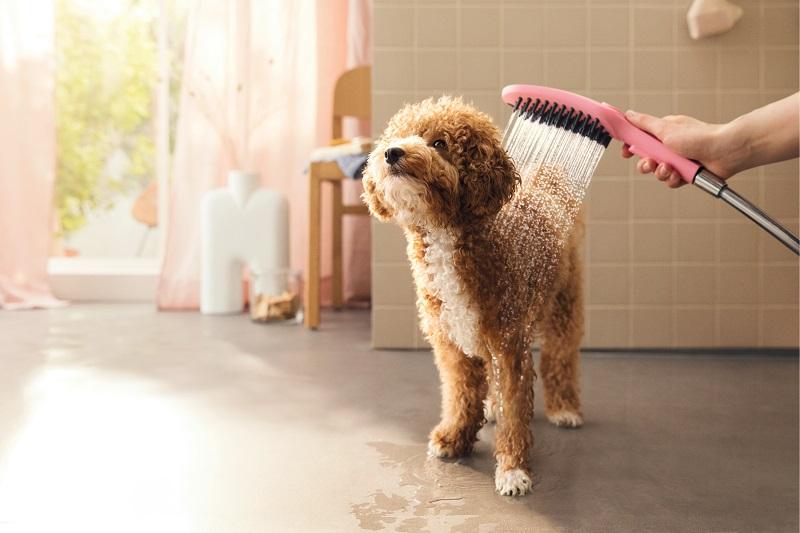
(766,135)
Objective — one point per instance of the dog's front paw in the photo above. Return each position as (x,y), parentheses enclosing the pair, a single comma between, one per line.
(565,419)
(513,482)
(448,444)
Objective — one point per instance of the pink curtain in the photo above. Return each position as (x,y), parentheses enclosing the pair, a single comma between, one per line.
(279,70)
(27,152)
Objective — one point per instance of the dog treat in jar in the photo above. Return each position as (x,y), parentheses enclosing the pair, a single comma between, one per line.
(275,295)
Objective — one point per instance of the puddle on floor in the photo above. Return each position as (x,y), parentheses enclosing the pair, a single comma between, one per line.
(435,495)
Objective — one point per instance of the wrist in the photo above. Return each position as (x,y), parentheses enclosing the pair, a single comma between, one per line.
(732,145)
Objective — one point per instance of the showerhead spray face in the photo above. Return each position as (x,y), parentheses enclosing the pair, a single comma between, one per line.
(551,116)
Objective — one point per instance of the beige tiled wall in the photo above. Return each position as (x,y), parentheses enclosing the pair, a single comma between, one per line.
(664,268)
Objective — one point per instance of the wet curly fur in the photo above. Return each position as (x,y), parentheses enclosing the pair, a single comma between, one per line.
(453,190)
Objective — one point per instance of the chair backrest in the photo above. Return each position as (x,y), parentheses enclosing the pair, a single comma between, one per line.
(352,97)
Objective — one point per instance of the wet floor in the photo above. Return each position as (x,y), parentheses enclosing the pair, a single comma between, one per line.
(118,418)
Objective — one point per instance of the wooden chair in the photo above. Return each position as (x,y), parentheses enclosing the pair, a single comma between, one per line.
(352,98)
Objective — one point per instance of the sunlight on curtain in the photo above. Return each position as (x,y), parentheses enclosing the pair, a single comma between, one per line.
(27,152)
(279,71)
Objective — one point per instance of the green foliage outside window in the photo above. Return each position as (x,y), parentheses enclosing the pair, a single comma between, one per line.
(106,73)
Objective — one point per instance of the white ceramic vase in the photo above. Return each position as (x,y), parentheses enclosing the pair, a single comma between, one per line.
(242,224)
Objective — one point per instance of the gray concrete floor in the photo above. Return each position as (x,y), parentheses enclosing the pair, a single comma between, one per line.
(118,418)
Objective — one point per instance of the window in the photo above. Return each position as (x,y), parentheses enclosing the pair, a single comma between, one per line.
(117,80)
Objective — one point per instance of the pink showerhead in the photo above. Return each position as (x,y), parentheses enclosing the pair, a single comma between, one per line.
(568,106)
(601,122)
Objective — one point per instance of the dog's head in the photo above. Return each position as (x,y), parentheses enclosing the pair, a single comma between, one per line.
(438,163)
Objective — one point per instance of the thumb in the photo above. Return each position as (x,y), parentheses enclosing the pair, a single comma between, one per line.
(648,123)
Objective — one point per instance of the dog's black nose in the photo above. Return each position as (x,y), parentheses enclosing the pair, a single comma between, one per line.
(393,154)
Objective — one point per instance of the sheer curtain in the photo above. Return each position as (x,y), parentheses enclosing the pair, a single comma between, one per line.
(27,152)
(281,67)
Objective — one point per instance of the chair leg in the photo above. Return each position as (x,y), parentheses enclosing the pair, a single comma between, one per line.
(337,275)
(314,244)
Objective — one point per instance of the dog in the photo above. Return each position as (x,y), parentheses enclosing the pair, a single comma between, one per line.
(491,271)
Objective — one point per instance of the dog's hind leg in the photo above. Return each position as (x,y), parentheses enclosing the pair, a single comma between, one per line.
(560,352)
(514,415)
(463,391)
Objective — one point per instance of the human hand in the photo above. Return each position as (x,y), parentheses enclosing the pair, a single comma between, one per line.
(685,136)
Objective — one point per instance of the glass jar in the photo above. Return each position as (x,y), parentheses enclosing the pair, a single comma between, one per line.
(275,295)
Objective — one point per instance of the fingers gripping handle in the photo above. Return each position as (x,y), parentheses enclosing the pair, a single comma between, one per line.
(647,146)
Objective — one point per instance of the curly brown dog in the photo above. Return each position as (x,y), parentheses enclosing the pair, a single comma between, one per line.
(489,272)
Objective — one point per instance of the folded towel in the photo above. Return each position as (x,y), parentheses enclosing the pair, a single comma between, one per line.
(351,157)
(352,164)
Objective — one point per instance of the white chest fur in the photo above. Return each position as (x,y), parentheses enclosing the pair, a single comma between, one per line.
(459,316)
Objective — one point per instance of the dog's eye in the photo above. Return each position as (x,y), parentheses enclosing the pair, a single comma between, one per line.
(439,144)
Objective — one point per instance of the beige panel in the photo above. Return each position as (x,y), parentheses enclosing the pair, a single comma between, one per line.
(738,284)
(437,69)
(394,70)
(394,26)
(608,242)
(779,25)
(781,196)
(609,70)
(609,328)
(480,69)
(658,104)
(694,328)
(780,69)
(652,69)
(608,200)
(738,241)
(388,243)
(739,68)
(392,284)
(651,199)
(695,284)
(651,25)
(522,26)
(652,284)
(652,328)
(522,67)
(652,241)
(609,25)
(437,26)
(564,25)
(780,328)
(691,202)
(565,69)
(702,106)
(393,327)
(738,327)
(696,69)
(780,284)
(608,285)
(695,241)
(385,105)
(480,26)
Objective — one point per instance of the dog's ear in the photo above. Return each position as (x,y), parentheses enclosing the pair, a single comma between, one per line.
(489,178)
(374,198)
